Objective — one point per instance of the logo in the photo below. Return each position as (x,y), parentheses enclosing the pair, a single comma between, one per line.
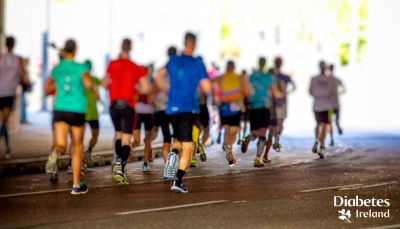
(345,215)
(368,208)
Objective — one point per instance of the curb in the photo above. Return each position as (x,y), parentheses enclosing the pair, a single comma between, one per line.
(22,166)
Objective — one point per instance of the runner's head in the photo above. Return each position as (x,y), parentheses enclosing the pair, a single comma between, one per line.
(230,66)
(329,70)
(171,51)
(10,43)
(190,43)
(278,62)
(322,66)
(88,64)
(126,46)
(262,61)
(70,48)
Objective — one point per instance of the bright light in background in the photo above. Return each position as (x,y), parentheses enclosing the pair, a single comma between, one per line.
(364,34)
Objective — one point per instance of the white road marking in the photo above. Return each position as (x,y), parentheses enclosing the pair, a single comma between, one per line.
(33,193)
(385,227)
(239,201)
(172,207)
(330,188)
(370,186)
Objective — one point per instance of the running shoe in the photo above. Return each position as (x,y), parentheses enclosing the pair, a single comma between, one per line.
(276,146)
(258,163)
(245,144)
(321,152)
(315,147)
(170,167)
(120,178)
(203,156)
(87,158)
(178,188)
(146,168)
(219,138)
(8,151)
(193,162)
(332,143)
(266,160)
(340,130)
(51,167)
(229,155)
(82,189)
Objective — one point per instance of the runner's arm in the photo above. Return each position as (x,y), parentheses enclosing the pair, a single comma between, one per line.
(144,86)
(49,86)
(160,80)
(206,86)
(275,91)
(246,87)
(293,88)
(88,84)
(106,81)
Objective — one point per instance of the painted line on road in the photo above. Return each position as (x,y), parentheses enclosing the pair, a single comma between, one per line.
(172,207)
(385,227)
(331,188)
(33,193)
(370,186)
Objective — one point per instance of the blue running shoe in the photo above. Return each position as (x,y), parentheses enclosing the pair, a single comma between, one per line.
(170,167)
(146,168)
(178,188)
(82,189)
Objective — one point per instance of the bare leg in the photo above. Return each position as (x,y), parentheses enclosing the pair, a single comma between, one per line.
(77,134)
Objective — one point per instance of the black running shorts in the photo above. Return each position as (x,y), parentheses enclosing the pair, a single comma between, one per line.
(322,116)
(94,124)
(259,118)
(182,125)
(7,102)
(71,118)
(231,120)
(146,119)
(122,118)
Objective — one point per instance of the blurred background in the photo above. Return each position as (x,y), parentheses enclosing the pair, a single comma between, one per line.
(361,37)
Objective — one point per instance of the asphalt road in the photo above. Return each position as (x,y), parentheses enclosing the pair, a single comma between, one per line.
(295,191)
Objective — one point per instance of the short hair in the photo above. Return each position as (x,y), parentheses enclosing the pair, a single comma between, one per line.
(332,67)
(278,61)
(70,46)
(88,64)
(262,60)
(10,42)
(126,45)
(230,63)
(190,38)
(322,64)
(171,51)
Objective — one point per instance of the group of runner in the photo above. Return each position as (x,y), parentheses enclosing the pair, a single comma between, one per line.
(178,95)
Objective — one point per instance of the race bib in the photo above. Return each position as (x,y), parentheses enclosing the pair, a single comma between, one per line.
(235,106)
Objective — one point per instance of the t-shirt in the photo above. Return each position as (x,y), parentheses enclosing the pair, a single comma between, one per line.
(283,81)
(124,76)
(70,92)
(185,73)
(91,113)
(261,83)
(322,89)
(335,98)
(9,74)
(231,95)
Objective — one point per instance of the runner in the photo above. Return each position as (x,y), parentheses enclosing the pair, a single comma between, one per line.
(69,79)
(12,72)
(92,116)
(144,110)
(201,130)
(322,89)
(160,104)
(264,85)
(339,90)
(272,132)
(281,104)
(186,72)
(234,88)
(244,117)
(124,80)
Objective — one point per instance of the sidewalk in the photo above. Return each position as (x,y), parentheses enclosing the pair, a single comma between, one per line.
(32,143)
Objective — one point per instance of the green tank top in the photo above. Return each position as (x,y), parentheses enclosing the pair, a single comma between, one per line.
(70,94)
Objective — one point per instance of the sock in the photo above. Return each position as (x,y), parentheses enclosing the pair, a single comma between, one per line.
(260,146)
(125,151)
(179,176)
(118,147)
(175,151)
